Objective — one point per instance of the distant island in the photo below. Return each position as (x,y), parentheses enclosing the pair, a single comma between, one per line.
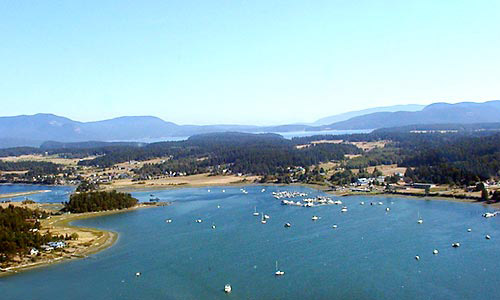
(36,130)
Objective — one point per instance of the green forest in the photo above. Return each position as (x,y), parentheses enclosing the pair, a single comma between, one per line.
(462,156)
(17,234)
(99,201)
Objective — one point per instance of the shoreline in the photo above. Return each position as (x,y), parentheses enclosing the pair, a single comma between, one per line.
(103,239)
(322,188)
(21,194)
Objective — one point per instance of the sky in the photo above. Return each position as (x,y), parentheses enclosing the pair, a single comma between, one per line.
(243,62)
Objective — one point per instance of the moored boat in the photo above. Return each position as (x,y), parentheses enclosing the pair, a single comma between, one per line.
(278,271)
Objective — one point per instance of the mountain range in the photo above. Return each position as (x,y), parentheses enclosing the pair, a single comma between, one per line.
(33,130)
(348,115)
(437,113)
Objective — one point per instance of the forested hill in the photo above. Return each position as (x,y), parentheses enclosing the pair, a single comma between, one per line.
(458,154)
(239,152)
(99,201)
(234,152)
(462,156)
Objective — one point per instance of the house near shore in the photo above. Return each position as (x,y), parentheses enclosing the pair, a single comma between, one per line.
(46,248)
(362,181)
(34,252)
(57,245)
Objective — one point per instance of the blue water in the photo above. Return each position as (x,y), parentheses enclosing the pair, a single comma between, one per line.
(58,193)
(292,134)
(287,135)
(369,256)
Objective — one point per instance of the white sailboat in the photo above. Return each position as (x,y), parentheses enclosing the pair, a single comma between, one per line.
(263,220)
(420,220)
(255,213)
(227,288)
(278,272)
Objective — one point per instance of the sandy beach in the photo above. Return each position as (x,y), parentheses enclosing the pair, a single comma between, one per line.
(22,194)
(180,182)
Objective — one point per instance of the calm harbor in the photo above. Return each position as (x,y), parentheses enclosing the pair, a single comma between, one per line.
(369,254)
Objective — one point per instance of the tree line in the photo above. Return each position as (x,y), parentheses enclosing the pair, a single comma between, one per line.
(98,201)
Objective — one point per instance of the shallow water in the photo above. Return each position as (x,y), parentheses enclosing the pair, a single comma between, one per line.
(369,256)
(56,194)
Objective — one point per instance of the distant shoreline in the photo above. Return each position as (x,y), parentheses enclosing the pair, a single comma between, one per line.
(21,194)
(322,188)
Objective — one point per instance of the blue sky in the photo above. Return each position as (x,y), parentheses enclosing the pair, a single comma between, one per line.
(243,62)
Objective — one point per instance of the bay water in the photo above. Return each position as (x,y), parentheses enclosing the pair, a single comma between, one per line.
(370,255)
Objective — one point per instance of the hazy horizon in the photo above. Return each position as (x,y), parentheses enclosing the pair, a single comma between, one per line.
(259,63)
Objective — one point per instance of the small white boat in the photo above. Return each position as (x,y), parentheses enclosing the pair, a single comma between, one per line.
(223,191)
(198,220)
(487,237)
(288,225)
(490,215)
(469,230)
(209,191)
(362,203)
(278,272)
(255,213)
(168,221)
(344,209)
(455,245)
(137,274)
(387,209)
(417,257)
(435,251)
(227,288)
(263,220)
(419,221)
(263,190)
(266,217)
(213,226)
(315,218)
(380,203)
(334,226)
